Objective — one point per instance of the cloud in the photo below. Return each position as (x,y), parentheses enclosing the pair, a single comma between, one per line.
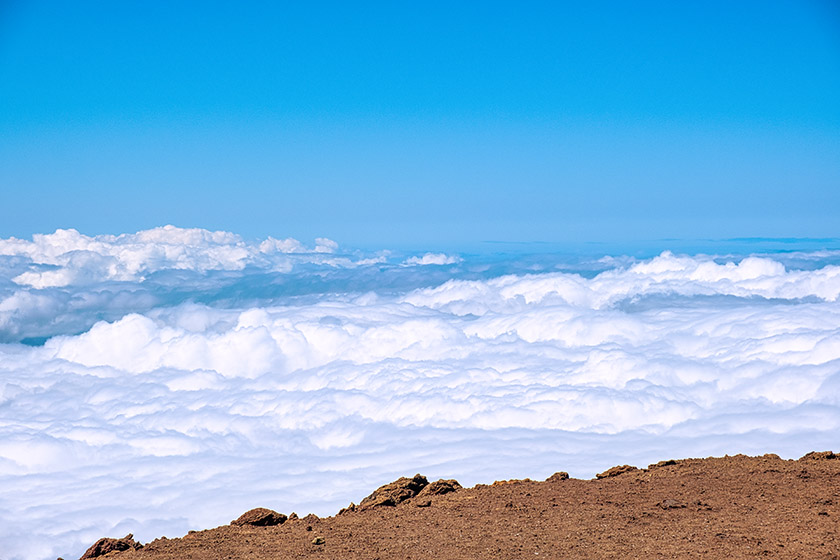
(73,258)
(433,258)
(167,415)
(666,274)
(62,283)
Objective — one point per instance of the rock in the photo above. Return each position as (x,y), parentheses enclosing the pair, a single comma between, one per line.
(615,471)
(818,456)
(106,545)
(440,487)
(348,509)
(558,477)
(318,540)
(511,481)
(660,464)
(423,502)
(260,517)
(395,492)
(670,504)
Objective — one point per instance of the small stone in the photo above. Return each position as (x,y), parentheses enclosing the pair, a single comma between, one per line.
(423,502)
(260,517)
(318,540)
(615,471)
(559,476)
(818,456)
(511,481)
(670,504)
(395,492)
(106,545)
(439,487)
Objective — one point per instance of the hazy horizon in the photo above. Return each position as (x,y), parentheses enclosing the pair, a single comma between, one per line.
(551,121)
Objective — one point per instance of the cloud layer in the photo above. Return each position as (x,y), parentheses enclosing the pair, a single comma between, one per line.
(178,413)
(68,257)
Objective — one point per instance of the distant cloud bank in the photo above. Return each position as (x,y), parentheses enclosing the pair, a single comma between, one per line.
(68,257)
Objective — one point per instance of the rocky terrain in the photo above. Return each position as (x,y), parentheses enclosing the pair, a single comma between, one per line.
(729,507)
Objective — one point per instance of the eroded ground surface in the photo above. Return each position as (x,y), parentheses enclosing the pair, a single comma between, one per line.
(731,507)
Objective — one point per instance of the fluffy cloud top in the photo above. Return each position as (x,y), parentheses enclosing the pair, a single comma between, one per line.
(433,258)
(167,418)
(78,258)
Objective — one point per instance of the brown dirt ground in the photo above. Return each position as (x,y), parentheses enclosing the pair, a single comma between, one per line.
(730,507)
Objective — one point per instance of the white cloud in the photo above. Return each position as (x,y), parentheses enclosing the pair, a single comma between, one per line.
(79,258)
(433,258)
(324,245)
(168,418)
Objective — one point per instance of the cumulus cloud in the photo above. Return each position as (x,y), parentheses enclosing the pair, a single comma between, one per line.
(168,418)
(667,274)
(433,258)
(73,258)
(64,282)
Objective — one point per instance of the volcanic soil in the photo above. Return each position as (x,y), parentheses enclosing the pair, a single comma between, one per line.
(729,507)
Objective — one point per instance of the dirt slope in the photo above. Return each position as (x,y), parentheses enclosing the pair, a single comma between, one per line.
(730,507)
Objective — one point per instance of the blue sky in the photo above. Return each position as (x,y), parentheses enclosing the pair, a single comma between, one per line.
(388,124)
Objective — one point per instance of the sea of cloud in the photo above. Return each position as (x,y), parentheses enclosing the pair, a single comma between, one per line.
(171,379)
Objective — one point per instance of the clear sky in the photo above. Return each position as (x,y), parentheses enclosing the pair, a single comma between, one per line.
(421,123)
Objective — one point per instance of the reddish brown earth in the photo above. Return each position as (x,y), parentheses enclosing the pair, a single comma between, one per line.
(730,507)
